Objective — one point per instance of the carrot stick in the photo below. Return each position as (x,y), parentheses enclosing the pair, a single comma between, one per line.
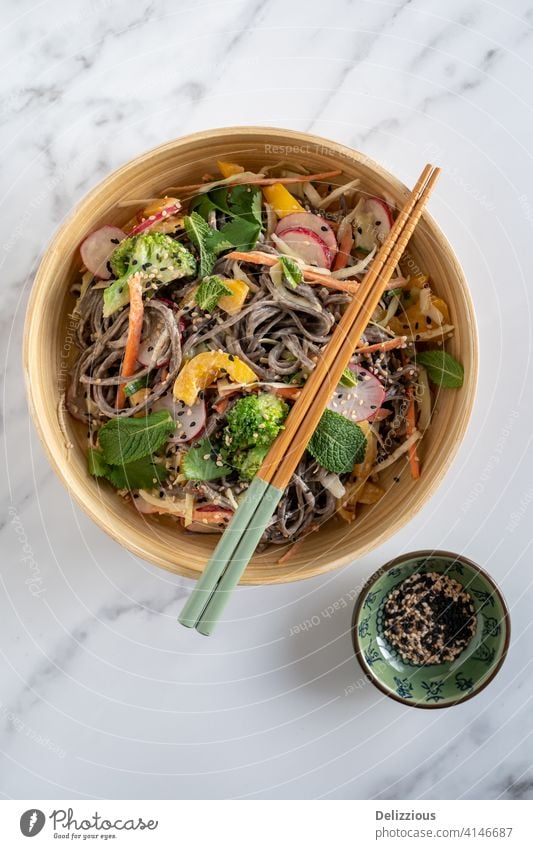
(135,326)
(258,258)
(261,181)
(345,248)
(389,345)
(414,462)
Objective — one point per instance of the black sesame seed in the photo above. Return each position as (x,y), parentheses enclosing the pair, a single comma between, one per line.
(115,241)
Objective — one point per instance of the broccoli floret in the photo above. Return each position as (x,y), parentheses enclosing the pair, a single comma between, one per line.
(255,420)
(155,256)
(253,424)
(247,462)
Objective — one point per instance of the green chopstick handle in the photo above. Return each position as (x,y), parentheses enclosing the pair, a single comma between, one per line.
(222,554)
(240,559)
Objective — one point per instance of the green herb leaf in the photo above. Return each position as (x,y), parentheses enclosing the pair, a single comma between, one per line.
(245,202)
(209,293)
(349,378)
(242,204)
(337,443)
(241,234)
(140,474)
(125,440)
(209,243)
(442,368)
(291,271)
(198,463)
(96,464)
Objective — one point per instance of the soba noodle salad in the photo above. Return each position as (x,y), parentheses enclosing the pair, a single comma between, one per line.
(199,322)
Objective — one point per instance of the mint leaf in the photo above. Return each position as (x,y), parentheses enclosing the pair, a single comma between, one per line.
(209,293)
(349,378)
(337,444)
(125,440)
(442,368)
(199,465)
(291,271)
(96,464)
(140,474)
(207,241)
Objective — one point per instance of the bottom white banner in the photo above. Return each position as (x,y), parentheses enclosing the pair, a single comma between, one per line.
(264,824)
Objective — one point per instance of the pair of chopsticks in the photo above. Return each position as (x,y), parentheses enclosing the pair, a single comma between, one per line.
(239,541)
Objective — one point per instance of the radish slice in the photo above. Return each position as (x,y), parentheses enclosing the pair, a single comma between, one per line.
(98,247)
(315,223)
(380,210)
(153,219)
(373,223)
(361,401)
(190,421)
(310,247)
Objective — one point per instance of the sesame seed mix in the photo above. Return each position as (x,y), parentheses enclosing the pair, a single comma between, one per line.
(429,618)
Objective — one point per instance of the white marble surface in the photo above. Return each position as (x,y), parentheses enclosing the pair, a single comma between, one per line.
(101,693)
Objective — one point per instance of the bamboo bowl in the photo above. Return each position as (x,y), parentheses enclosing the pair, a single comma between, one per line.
(49,348)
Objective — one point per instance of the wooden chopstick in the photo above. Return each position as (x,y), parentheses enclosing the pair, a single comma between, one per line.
(245,529)
(289,455)
(320,372)
(301,433)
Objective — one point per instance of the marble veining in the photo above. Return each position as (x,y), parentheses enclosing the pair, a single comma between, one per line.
(101,693)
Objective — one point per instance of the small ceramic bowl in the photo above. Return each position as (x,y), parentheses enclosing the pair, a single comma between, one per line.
(439,685)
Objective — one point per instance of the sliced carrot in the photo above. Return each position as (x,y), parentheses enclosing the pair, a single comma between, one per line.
(397,342)
(135,326)
(259,258)
(290,392)
(345,247)
(414,462)
(221,406)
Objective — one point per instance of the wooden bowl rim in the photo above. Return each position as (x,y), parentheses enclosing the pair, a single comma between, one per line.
(50,433)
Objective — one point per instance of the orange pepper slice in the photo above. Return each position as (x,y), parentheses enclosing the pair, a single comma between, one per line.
(413,321)
(228,169)
(204,368)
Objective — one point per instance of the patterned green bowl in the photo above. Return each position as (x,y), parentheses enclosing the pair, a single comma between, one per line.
(431,686)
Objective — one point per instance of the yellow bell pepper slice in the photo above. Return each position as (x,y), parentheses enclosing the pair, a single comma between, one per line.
(281,200)
(204,368)
(228,169)
(239,292)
